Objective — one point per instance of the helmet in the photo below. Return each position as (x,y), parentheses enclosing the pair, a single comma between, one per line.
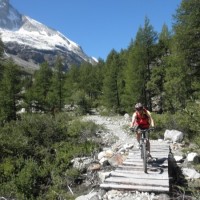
(138,106)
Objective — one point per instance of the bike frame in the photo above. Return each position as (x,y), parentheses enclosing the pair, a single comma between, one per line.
(143,146)
(144,139)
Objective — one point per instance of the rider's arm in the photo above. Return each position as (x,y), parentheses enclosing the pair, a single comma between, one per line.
(133,120)
(151,121)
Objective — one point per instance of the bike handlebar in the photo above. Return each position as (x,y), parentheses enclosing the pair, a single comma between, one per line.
(141,130)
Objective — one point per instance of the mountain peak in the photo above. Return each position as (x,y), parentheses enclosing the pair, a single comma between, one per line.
(35,42)
(10,18)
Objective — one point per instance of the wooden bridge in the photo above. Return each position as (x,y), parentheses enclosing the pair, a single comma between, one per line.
(130,175)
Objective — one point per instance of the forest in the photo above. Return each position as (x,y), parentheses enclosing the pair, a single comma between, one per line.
(161,70)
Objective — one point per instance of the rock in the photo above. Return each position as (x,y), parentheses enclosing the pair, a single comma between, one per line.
(191,173)
(94,167)
(109,153)
(82,163)
(178,158)
(90,196)
(128,146)
(191,156)
(163,197)
(104,161)
(103,175)
(127,117)
(116,160)
(101,155)
(173,135)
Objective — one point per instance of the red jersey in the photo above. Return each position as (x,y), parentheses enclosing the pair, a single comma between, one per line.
(142,119)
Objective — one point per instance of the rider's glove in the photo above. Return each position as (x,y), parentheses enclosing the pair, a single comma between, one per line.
(134,128)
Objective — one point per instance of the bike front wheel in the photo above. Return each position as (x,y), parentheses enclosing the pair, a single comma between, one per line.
(144,157)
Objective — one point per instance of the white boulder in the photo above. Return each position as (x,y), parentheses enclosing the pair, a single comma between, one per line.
(191,156)
(173,135)
(190,173)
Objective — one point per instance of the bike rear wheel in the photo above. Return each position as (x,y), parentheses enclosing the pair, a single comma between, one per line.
(144,157)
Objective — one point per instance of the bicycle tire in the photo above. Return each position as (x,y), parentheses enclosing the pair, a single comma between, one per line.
(144,152)
(141,151)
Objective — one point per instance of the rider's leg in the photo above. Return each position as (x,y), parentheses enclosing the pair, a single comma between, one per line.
(138,136)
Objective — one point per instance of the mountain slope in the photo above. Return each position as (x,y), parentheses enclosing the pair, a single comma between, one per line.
(31,43)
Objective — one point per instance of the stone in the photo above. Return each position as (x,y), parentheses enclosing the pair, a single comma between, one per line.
(173,135)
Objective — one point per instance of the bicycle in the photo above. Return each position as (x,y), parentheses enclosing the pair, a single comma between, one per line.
(144,139)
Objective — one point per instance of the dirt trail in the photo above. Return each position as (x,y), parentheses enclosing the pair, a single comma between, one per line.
(117,126)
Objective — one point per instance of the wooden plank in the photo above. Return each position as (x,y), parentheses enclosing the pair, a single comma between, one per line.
(130,159)
(135,187)
(159,149)
(139,162)
(141,176)
(149,165)
(159,145)
(156,146)
(130,174)
(141,172)
(133,159)
(133,163)
(134,181)
(137,151)
(131,168)
(140,169)
(159,154)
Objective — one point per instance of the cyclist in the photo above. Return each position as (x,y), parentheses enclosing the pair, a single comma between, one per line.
(141,119)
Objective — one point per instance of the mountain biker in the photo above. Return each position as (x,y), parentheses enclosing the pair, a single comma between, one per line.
(141,119)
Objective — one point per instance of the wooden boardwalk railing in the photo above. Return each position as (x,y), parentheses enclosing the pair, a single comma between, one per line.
(130,175)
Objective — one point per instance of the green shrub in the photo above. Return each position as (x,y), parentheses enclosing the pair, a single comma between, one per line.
(26,180)
(186,120)
(12,140)
(7,168)
(192,113)
(36,155)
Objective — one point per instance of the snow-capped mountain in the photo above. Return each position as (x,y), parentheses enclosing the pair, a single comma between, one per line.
(31,43)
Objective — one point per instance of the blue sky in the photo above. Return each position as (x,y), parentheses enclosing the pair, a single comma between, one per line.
(99,26)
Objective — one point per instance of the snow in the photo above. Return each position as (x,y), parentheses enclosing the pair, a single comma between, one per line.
(29,32)
(39,39)
(95,59)
(35,34)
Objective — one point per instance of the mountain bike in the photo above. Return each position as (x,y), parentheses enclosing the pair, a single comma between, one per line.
(144,140)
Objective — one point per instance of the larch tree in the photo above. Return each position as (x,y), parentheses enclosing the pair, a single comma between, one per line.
(37,94)
(163,50)
(55,96)
(141,56)
(148,53)
(187,34)
(111,83)
(9,92)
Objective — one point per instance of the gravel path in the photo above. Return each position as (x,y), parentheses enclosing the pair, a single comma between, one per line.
(117,126)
